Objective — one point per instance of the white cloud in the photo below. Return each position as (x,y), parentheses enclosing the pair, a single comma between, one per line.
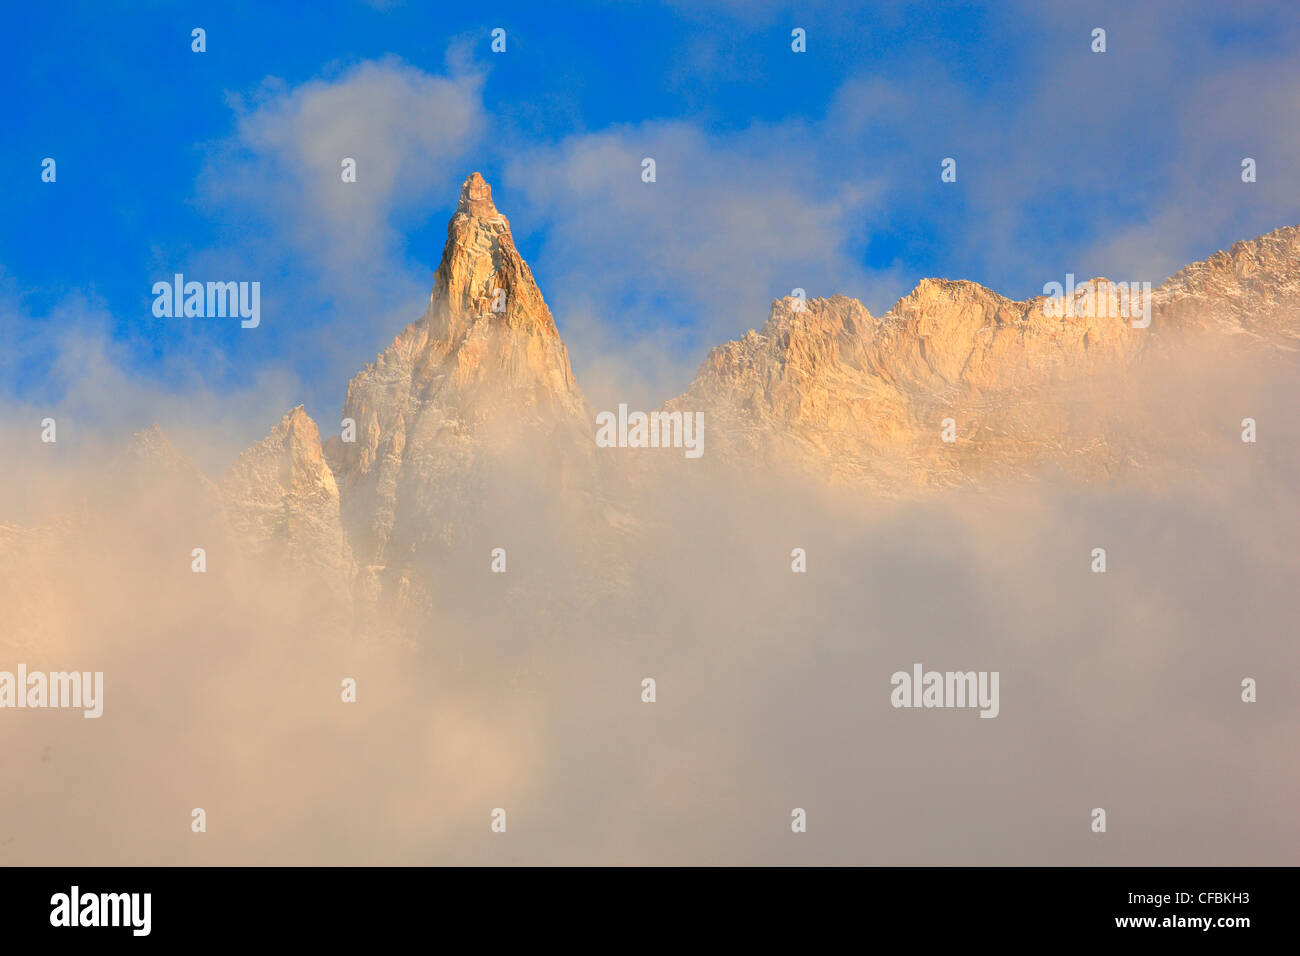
(409,132)
(731,222)
(337,280)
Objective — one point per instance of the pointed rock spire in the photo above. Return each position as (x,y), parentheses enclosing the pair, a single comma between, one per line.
(282,499)
(482,278)
(483,370)
(476,198)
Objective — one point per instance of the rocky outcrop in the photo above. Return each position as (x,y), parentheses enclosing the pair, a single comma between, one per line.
(1250,290)
(283,503)
(827,388)
(477,389)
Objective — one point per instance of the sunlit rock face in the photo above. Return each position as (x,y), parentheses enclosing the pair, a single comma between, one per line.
(1251,290)
(283,504)
(475,394)
(957,384)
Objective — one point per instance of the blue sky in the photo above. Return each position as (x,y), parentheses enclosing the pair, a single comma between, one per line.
(775,170)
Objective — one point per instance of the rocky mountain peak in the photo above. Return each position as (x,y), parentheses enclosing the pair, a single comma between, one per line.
(1250,289)
(282,500)
(828,388)
(150,452)
(482,279)
(152,442)
(486,343)
(482,370)
(476,198)
(297,434)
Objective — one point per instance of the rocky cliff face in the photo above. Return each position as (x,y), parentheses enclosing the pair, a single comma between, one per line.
(1251,290)
(283,504)
(477,389)
(827,389)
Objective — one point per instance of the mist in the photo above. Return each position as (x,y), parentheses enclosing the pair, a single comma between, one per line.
(523,690)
